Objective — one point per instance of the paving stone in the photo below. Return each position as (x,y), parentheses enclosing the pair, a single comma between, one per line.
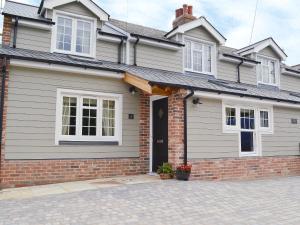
(258,202)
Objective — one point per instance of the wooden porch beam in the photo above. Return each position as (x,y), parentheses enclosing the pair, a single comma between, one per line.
(138,82)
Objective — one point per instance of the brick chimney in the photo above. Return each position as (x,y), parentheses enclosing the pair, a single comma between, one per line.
(183,15)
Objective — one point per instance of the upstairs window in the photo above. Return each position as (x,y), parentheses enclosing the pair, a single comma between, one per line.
(74,35)
(198,56)
(267,71)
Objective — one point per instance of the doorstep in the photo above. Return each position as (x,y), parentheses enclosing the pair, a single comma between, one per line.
(68,187)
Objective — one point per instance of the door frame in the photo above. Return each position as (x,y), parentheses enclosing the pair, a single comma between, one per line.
(152,99)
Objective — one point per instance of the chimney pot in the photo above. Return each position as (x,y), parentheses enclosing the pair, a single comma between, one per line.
(190,10)
(183,15)
(185,9)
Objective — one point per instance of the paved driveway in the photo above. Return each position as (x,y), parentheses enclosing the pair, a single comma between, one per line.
(275,201)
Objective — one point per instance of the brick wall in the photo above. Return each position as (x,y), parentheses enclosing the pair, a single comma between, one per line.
(17,173)
(176,127)
(245,168)
(7,30)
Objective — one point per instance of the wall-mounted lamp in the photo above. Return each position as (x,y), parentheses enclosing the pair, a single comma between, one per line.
(196,101)
(132,90)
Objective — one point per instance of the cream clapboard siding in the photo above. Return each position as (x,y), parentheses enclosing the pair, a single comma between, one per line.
(76,8)
(158,58)
(286,137)
(268,51)
(30,130)
(107,51)
(205,136)
(33,39)
(290,83)
(200,33)
(228,71)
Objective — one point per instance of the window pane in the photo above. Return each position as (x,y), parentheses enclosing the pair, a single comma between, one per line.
(230,116)
(69,116)
(108,118)
(187,54)
(197,61)
(267,71)
(264,119)
(64,34)
(89,117)
(247,119)
(83,37)
(247,141)
(207,58)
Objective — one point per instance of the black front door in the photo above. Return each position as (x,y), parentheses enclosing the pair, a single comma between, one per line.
(160,133)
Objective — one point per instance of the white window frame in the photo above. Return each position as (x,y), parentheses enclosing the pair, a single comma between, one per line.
(213,55)
(277,70)
(100,96)
(258,131)
(74,18)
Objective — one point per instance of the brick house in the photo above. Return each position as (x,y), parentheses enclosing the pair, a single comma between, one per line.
(86,96)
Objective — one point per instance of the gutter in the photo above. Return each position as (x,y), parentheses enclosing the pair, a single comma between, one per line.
(185,125)
(15,32)
(112,35)
(2,103)
(157,39)
(135,53)
(238,71)
(32,19)
(239,57)
(61,63)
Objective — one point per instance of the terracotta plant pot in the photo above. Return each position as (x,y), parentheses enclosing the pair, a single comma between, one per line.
(165,176)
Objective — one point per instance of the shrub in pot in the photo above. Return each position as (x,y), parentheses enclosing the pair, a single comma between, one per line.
(183,172)
(165,171)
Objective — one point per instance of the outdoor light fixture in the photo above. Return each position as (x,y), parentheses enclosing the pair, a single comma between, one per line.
(196,101)
(132,90)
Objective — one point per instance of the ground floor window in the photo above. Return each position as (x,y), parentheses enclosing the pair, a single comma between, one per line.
(88,116)
(248,123)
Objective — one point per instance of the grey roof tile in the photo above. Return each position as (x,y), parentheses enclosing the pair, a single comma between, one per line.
(164,77)
(22,10)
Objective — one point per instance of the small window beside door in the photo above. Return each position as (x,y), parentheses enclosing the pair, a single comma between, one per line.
(248,123)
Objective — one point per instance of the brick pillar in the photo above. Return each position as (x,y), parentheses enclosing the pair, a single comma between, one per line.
(144,131)
(176,127)
(7,30)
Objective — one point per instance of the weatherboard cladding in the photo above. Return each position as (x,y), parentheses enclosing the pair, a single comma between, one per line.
(154,76)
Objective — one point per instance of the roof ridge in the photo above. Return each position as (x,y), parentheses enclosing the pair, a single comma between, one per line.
(139,25)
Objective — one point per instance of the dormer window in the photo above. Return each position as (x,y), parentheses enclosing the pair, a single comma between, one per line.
(198,56)
(73,34)
(268,70)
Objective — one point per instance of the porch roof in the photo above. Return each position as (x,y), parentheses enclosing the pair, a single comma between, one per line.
(157,77)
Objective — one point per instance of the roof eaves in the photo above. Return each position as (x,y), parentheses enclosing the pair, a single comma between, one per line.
(59,62)
(48,21)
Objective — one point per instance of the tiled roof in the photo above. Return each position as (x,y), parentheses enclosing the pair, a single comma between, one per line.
(31,12)
(22,10)
(140,30)
(163,77)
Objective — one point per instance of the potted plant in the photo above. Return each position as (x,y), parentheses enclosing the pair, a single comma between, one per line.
(165,171)
(183,172)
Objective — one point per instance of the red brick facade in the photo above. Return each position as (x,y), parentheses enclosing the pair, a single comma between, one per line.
(7,30)
(245,168)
